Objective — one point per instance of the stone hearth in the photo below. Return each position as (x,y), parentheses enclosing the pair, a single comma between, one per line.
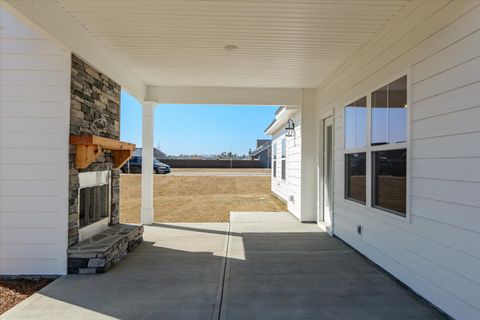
(99,253)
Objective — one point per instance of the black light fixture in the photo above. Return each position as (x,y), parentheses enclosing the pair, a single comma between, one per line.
(290,129)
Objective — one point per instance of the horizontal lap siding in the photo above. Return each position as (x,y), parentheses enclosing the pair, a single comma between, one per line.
(437,252)
(34,121)
(290,189)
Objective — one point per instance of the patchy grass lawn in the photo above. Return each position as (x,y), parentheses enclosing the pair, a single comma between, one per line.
(15,291)
(198,198)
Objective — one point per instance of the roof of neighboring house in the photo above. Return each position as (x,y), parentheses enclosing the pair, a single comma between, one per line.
(281,116)
(261,148)
(261,142)
(270,125)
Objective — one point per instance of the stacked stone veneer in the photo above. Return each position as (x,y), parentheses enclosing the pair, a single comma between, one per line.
(93,95)
(99,253)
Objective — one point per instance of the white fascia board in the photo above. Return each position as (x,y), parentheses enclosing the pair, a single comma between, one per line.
(281,120)
(225,96)
(50,18)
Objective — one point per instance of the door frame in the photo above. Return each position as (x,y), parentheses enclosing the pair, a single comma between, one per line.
(329,228)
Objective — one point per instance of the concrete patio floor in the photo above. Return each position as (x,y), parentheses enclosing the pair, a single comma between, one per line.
(258,266)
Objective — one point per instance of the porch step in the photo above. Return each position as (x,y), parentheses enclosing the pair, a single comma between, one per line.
(99,253)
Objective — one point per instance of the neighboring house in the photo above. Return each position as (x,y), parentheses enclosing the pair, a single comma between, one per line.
(384,98)
(157,154)
(263,152)
(261,142)
(286,160)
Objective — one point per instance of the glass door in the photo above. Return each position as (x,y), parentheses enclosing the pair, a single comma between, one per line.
(327,187)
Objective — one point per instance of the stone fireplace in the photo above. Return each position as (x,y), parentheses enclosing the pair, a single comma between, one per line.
(96,240)
(95,109)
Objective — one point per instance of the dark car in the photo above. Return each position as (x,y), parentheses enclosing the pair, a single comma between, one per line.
(134,165)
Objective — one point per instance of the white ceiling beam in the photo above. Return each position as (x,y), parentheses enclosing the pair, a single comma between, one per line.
(225,96)
(57,24)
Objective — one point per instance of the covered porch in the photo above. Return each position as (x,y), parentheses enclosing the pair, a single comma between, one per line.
(258,266)
(316,58)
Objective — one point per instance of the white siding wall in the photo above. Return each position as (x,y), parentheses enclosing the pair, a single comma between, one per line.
(289,189)
(34,126)
(437,253)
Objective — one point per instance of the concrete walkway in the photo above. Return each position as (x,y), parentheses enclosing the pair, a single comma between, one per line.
(259,266)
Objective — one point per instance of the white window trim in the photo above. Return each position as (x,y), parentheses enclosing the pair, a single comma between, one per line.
(283,157)
(274,160)
(369,149)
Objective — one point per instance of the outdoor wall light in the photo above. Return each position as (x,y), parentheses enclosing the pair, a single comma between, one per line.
(290,129)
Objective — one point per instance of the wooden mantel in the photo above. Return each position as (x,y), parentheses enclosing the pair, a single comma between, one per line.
(90,147)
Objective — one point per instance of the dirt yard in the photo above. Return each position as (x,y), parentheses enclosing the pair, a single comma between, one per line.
(198,198)
(15,291)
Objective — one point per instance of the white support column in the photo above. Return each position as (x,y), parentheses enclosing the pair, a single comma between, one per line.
(308,163)
(147,162)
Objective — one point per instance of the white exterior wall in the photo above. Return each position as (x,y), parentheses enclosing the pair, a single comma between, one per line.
(289,189)
(34,126)
(436,252)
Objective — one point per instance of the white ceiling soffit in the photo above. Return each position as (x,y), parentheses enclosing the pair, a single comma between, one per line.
(275,43)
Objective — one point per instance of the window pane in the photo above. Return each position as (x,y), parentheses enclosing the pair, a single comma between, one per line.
(389,113)
(350,126)
(356,124)
(390,180)
(284,148)
(274,169)
(397,112)
(275,151)
(361,123)
(355,176)
(284,169)
(379,117)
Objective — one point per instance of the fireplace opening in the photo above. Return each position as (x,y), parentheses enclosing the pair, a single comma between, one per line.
(93,205)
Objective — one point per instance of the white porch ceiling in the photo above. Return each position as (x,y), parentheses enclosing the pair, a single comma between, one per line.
(281,43)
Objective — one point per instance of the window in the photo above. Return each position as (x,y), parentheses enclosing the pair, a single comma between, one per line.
(274,166)
(356,140)
(389,152)
(356,174)
(284,159)
(384,150)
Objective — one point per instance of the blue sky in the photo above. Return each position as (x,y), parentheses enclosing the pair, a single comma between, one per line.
(197,129)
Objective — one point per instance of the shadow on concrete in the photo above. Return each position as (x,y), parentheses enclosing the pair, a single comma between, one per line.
(183,272)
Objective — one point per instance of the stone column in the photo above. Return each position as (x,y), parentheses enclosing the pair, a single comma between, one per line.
(147,162)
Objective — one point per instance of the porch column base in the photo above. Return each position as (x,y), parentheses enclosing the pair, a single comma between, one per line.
(146,215)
